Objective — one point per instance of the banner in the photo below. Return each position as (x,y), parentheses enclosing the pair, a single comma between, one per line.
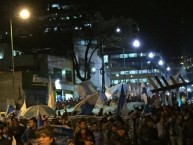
(62,134)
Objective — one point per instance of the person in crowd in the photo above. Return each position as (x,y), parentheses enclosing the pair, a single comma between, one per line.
(187,129)
(32,138)
(175,131)
(97,134)
(70,142)
(46,122)
(82,133)
(45,135)
(32,126)
(134,124)
(109,133)
(147,134)
(3,140)
(161,127)
(121,137)
(65,121)
(7,133)
(90,140)
(100,112)
(17,130)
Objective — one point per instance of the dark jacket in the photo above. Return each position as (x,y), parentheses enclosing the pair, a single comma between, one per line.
(147,135)
(4,141)
(78,137)
(120,140)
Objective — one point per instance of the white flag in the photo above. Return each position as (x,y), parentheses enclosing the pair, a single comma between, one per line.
(22,110)
(109,91)
(51,99)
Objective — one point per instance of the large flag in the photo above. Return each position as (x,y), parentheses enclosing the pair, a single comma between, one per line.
(143,93)
(86,106)
(86,89)
(51,97)
(121,101)
(109,91)
(125,110)
(99,103)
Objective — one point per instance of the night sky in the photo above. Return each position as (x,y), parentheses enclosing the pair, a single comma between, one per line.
(164,25)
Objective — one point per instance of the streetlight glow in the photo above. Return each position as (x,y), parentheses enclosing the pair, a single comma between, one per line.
(168,68)
(118,30)
(151,55)
(136,43)
(160,62)
(24,14)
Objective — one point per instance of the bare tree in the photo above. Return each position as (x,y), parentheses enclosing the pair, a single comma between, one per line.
(100,34)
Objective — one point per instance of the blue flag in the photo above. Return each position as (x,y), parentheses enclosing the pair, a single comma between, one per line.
(10,110)
(86,106)
(121,101)
(39,120)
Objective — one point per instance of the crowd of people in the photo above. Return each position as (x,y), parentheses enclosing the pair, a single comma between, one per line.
(146,125)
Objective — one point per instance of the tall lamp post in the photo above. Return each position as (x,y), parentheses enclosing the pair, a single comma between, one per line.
(23,14)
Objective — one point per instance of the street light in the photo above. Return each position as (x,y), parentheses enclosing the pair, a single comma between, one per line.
(151,55)
(168,68)
(23,14)
(160,62)
(136,43)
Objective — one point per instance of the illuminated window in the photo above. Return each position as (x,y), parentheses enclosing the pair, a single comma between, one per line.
(1,54)
(68,96)
(133,72)
(57,84)
(132,55)
(105,58)
(122,73)
(55,6)
(115,81)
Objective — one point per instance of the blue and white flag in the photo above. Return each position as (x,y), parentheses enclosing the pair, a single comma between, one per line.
(86,89)
(110,91)
(86,106)
(121,101)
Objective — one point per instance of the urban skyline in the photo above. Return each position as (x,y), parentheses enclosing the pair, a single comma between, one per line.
(163,26)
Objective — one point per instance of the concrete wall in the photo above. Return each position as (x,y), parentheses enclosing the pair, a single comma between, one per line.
(9,93)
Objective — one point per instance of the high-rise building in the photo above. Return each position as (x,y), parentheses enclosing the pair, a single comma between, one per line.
(133,67)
